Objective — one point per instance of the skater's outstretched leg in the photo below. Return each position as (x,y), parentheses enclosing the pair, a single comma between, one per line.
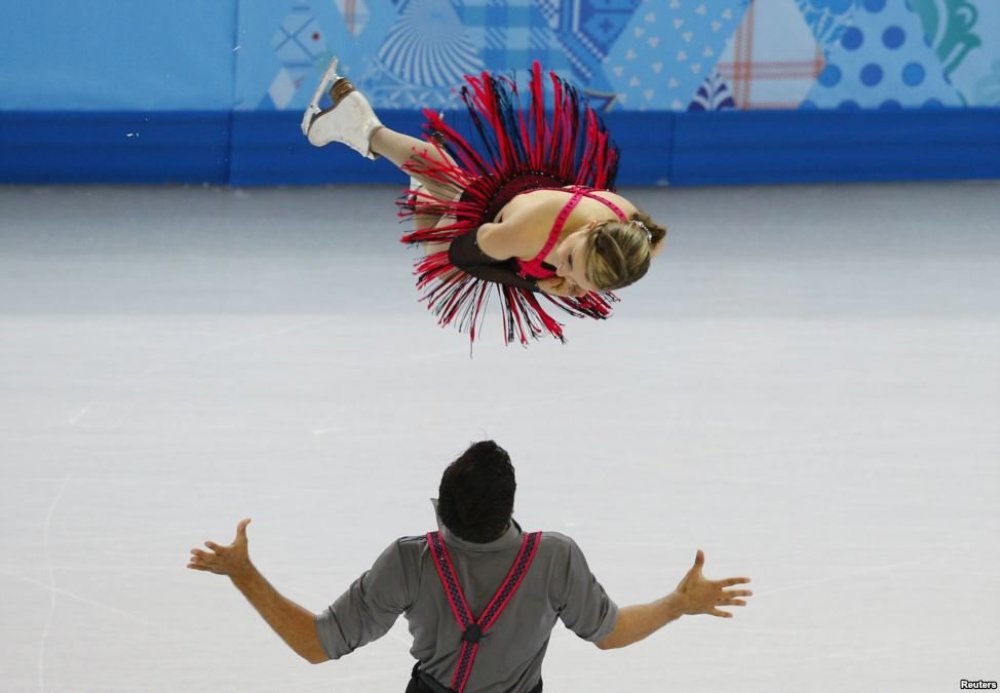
(406,152)
(424,220)
(351,120)
(430,248)
(403,149)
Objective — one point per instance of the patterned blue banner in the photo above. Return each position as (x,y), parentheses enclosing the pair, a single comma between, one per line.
(633,55)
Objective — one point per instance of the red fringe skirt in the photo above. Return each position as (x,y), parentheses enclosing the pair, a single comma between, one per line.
(517,147)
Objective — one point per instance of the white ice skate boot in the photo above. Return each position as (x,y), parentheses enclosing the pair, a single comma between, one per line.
(349,120)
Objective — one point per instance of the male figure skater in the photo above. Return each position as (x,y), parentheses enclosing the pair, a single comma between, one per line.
(481,596)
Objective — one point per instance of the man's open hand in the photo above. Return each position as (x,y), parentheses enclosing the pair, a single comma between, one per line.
(703,596)
(232,560)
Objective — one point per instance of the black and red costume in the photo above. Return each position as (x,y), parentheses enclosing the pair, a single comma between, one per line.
(519,148)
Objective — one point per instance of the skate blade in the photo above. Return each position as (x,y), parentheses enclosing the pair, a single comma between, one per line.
(324,84)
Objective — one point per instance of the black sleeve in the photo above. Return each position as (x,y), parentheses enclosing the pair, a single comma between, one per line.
(466,255)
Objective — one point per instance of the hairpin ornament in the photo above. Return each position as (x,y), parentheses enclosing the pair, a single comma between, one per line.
(641,225)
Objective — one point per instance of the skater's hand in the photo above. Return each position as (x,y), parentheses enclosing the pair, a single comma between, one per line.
(561,286)
(232,560)
(700,595)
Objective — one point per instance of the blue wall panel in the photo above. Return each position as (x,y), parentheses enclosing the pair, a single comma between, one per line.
(823,146)
(266,148)
(114,147)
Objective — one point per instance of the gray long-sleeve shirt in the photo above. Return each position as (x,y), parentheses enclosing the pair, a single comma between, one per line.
(403,580)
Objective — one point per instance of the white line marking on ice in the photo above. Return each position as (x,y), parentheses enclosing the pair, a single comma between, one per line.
(842,576)
(75,420)
(52,580)
(66,593)
(325,430)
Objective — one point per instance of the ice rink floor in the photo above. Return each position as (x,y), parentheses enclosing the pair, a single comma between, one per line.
(806,386)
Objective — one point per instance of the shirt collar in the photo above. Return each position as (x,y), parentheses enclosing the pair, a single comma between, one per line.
(512,537)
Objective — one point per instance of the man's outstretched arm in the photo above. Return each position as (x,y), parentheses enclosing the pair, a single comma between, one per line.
(295,625)
(695,594)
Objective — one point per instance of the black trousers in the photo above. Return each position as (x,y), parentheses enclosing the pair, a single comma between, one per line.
(418,685)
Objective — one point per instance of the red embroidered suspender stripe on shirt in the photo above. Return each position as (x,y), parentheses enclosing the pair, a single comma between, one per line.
(474,628)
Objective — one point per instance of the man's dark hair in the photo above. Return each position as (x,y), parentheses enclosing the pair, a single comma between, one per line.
(476,497)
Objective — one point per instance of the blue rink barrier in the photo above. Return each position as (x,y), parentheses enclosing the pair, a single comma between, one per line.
(253,148)
(117,147)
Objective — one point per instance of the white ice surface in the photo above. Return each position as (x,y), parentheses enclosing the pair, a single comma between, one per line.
(807,386)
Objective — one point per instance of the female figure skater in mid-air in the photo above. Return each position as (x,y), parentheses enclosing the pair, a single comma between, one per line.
(528,211)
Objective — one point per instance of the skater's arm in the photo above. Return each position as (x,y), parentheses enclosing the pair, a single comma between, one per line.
(294,624)
(506,239)
(695,594)
(501,274)
(638,621)
(490,251)
(467,254)
(512,237)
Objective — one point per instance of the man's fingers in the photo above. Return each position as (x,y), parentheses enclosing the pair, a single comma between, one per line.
(207,562)
(733,602)
(241,528)
(212,545)
(729,582)
(206,568)
(738,593)
(199,563)
(720,613)
(699,559)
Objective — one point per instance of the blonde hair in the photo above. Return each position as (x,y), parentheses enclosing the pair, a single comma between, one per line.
(620,251)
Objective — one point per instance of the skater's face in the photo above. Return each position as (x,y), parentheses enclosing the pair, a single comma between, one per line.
(571,259)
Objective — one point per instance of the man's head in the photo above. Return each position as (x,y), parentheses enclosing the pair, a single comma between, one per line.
(476,497)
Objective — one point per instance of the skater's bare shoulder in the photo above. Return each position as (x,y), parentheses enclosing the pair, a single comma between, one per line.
(520,231)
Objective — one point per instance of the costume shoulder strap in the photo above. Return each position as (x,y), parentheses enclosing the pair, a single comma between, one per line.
(622,217)
(557,227)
